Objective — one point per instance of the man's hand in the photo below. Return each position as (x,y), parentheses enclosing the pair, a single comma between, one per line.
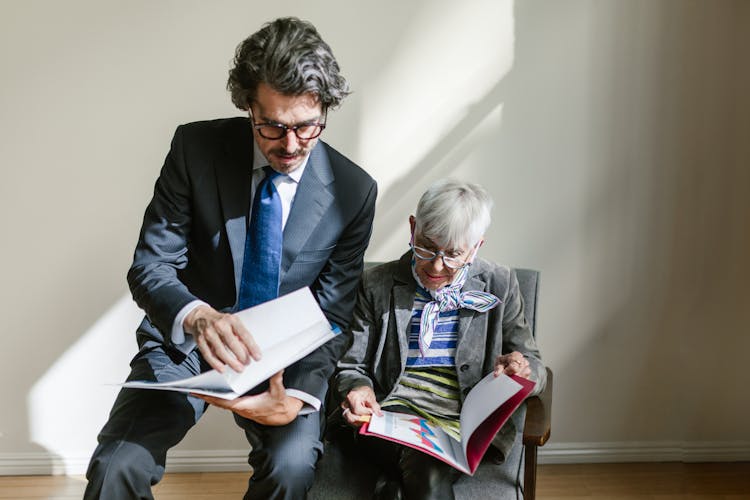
(221,338)
(512,364)
(272,407)
(360,403)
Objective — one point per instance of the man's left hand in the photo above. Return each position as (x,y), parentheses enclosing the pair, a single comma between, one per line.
(272,407)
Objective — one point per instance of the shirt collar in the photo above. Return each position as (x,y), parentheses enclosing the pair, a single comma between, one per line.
(260,161)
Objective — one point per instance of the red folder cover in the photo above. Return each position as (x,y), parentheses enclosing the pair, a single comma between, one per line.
(486,409)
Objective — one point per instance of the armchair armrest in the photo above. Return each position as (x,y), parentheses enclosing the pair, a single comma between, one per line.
(536,429)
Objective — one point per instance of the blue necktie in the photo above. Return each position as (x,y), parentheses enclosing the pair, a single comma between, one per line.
(262,261)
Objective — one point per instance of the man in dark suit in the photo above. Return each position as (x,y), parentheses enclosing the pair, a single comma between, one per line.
(197,262)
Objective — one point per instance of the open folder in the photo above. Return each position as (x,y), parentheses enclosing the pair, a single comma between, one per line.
(286,329)
(486,408)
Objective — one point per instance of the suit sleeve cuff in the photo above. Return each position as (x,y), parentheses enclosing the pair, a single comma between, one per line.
(311,403)
(181,340)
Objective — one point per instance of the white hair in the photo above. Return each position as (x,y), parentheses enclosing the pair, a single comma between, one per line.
(453,214)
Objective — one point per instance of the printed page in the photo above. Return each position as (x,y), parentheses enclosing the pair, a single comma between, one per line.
(286,329)
(418,433)
(210,383)
(276,321)
(485,398)
(279,356)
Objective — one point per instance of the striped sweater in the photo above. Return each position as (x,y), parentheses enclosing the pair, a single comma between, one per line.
(429,385)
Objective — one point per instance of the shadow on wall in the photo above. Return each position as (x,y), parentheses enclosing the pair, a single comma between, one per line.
(593,150)
(417,91)
(439,100)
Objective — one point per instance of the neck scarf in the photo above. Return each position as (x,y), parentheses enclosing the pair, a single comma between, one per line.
(449,298)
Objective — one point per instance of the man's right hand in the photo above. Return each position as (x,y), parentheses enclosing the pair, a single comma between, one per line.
(360,402)
(221,338)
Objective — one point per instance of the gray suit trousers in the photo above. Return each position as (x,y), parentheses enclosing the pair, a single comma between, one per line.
(144,424)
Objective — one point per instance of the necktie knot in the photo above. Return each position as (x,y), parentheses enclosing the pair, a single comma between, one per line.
(271,174)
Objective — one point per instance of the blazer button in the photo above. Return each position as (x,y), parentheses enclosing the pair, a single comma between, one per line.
(464,368)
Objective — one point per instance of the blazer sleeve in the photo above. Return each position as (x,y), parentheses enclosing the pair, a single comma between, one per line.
(162,245)
(335,289)
(354,369)
(517,334)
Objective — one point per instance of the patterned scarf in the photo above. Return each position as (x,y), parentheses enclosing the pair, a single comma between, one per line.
(449,298)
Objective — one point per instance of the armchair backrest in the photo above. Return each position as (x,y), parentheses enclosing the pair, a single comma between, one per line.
(528,282)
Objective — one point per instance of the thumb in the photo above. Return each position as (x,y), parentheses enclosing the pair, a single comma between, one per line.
(277,382)
(374,407)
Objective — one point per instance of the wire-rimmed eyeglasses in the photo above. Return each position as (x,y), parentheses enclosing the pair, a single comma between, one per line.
(449,262)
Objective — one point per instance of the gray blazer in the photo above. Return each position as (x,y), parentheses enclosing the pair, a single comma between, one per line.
(377,356)
(192,240)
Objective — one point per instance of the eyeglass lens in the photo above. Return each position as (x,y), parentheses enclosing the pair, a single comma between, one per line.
(424,254)
(273,131)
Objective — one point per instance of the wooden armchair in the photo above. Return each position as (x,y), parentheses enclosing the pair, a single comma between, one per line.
(537,426)
(345,477)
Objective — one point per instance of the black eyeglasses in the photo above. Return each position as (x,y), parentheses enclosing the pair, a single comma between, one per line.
(275,131)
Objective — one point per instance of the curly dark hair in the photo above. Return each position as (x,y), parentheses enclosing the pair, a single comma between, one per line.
(289,55)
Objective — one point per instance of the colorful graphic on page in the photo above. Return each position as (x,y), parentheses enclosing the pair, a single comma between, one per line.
(423,430)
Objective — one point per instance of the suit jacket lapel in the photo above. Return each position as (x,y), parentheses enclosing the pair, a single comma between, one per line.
(471,334)
(234,178)
(311,202)
(404,288)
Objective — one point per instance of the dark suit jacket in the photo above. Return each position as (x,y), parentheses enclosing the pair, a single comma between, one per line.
(192,241)
(377,357)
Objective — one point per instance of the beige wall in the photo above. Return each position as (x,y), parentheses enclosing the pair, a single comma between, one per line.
(613,136)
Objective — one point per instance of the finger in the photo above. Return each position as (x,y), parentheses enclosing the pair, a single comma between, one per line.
(360,406)
(504,368)
(347,416)
(236,348)
(501,361)
(352,419)
(232,343)
(518,359)
(216,343)
(226,356)
(375,406)
(276,383)
(248,341)
(500,370)
(208,354)
(211,400)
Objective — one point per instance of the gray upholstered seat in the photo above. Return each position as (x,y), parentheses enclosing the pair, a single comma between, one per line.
(342,476)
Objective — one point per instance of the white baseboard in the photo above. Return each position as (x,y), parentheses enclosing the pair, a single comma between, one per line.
(43,463)
(644,451)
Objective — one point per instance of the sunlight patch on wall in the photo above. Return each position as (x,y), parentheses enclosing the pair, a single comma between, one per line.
(450,58)
(70,402)
(466,155)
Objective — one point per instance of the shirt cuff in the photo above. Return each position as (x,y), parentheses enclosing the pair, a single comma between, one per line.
(311,403)
(181,340)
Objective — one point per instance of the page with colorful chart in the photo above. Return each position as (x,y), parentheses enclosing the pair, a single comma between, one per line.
(417,433)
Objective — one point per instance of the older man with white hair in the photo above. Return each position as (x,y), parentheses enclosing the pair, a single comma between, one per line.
(461,317)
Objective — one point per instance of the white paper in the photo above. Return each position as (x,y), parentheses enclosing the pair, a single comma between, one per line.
(286,329)
(482,400)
